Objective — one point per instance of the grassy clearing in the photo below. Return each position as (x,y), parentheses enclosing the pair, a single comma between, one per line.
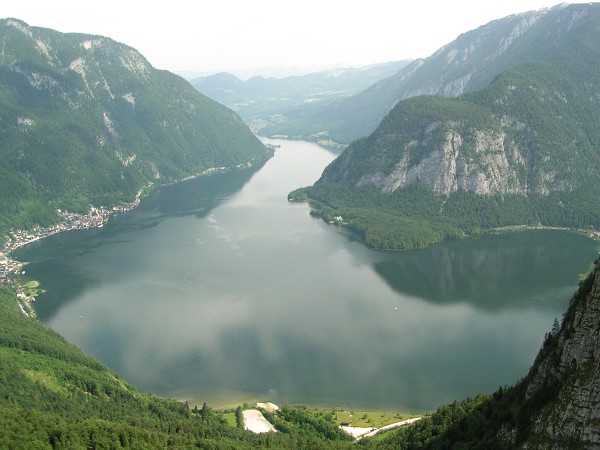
(230,418)
(34,292)
(31,288)
(357,418)
(366,419)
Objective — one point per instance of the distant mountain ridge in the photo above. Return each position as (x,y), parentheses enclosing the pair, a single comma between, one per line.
(84,119)
(465,65)
(522,151)
(262,101)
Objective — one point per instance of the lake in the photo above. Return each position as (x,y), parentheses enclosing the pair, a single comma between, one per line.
(220,290)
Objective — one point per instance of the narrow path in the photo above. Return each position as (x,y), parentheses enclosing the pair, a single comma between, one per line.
(359,433)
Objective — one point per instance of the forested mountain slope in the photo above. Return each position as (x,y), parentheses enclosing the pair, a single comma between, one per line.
(554,407)
(523,151)
(465,65)
(86,120)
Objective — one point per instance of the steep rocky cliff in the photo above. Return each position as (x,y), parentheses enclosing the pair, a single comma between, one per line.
(563,386)
(494,165)
(527,133)
(522,151)
(556,406)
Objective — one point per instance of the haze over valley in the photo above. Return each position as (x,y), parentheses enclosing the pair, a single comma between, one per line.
(415,239)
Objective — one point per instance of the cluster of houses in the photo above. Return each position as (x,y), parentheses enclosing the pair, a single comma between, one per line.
(95,217)
(9,268)
(4,269)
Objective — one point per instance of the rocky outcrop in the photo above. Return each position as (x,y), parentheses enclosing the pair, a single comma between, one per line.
(564,382)
(486,163)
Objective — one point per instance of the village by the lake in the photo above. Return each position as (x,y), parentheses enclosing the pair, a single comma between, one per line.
(13,272)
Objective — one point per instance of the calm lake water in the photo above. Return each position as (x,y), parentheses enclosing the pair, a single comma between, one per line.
(219,290)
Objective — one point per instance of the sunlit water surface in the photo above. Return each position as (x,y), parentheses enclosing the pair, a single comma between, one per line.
(220,290)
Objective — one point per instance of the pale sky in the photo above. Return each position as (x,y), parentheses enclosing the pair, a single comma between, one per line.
(214,35)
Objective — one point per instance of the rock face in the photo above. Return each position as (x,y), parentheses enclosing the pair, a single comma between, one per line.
(565,379)
(448,167)
(446,156)
(532,131)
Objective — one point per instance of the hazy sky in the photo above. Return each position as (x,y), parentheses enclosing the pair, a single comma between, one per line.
(213,35)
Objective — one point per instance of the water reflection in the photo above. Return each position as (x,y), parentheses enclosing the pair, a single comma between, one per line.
(70,263)
(506,271)
(221,290)
(199,196)
(304,350)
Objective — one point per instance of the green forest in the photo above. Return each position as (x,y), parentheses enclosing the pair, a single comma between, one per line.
(415,217)
(95,123)
(547,114)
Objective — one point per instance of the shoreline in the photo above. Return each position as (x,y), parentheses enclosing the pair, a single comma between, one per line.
(255,422)
(96,217)
(334,216)
(11,269)
(592,234)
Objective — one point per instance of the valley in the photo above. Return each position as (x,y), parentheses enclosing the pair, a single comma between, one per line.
(170,248)
(265,303)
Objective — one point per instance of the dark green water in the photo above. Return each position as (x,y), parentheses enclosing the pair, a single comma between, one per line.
(220,290)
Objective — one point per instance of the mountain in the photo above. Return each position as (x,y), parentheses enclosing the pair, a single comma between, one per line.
(86,120)
(465,65)
(522,151)
(262,101)
(554,407)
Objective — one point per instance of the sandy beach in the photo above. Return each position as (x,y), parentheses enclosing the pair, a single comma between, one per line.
(255,422)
